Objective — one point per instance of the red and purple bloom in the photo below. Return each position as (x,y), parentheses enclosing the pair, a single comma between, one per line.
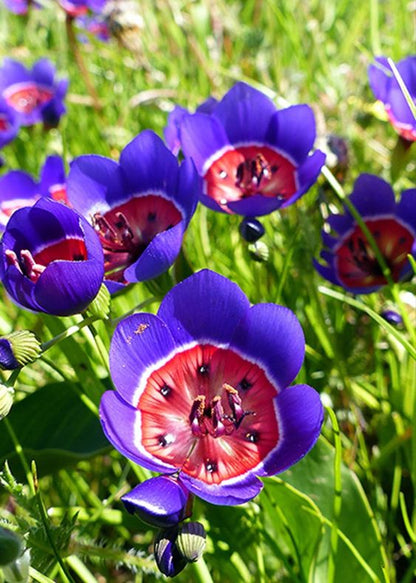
(35,95)
(82,7)
(349,259)
(9,123)
(140,208)
(19,189)
(387,90)
(51,259)
(253,158)
(203,390)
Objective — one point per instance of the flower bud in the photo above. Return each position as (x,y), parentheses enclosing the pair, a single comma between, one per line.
(191,541)
(161,501)
(392,317)
(251,229)
(100,305)
(10,546)
(259,251)
(6,400)
(168,559)
(18,349)
(18,571)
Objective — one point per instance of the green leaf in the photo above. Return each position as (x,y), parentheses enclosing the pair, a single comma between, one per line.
(55,429)
(310,483)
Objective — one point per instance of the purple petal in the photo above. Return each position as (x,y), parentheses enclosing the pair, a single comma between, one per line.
(9,123)
(307,175)
(94,184)
(236,491)
(373,196)
(188,189)
(271,336)
(379,76)
(255,206)
(139,342)
(159,501)
(120,423)
(406,208)
(148,165)
(202,137)
(203,307)
(158,256)
(13,72)
(340,223)
(245,114)
(301,416)
(43,72)
(293,131)
(7,358)
(172,130)
(52,173)
(68,287)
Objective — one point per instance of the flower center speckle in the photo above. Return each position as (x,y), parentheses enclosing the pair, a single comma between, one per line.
(126,230)
(25,97)
(209,412)
(357,264)
(249,170)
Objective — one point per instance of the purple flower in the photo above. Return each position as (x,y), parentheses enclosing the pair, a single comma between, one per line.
(95,25)
(35,95)
(202,390)
(20,6)
(172,130)
(19,189)
(81,7)
(349,259)
(253,158)
(162,501)
(140,207)
(9,123)
(51,259)
(387,90)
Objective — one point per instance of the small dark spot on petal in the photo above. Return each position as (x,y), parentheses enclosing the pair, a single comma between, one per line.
(245,385)
(165,440)
(151,217)
(165,390)
(203,369)
(211,466)
(252,436)
(169,227)
(78,257)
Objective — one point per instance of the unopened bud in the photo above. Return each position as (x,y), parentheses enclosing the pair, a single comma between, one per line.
(6,400)
(18,349)
(259,251)
(18,571)
(191,541)
(10,546)
(168,558)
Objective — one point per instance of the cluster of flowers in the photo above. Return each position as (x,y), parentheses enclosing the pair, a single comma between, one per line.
(203,390)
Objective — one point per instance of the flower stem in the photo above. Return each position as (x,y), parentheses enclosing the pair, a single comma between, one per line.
(68,332)
(201,571)
(21,455)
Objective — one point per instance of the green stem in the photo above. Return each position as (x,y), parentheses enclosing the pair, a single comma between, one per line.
(201,571)
(337,495)
(68,332)
(21,455)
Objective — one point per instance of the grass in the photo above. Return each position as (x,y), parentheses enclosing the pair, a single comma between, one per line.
(300,529)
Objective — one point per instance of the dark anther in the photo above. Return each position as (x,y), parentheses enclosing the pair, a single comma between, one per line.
(252,436)
(165,390)
(210,466)
(203,369)
(151,217)
(245,384)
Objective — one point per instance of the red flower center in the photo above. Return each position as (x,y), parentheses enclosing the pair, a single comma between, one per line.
(126,230)
(32,266)
(4,123)
(357,264)
(25,97)
(249,170)
(210,413)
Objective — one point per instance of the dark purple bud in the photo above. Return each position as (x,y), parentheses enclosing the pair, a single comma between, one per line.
(162,501)
(251,229)
(18,349)
(392,317)
(168,558)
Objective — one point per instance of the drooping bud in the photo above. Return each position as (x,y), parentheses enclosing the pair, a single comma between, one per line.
(18,570)
(10,546)
(392,317)
(191,541)
(169,560)
(161,501)
(18,349)
(259,251)
(6,400)
(251,229)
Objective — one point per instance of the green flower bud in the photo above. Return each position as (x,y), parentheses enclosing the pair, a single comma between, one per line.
(18,349)
(259,251)
(10,546)
(6,401)
(100,305)
(191,541)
